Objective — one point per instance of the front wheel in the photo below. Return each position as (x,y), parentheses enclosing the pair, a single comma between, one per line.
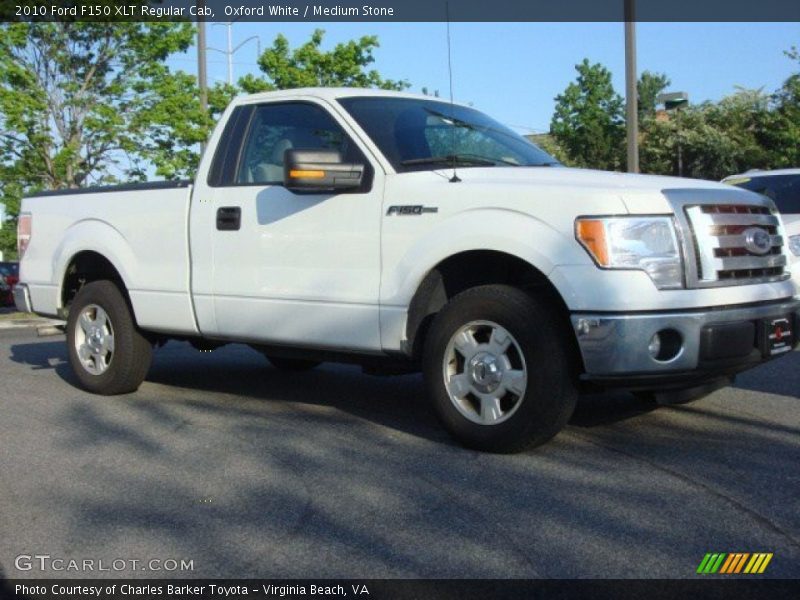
(107,352)
(498,370)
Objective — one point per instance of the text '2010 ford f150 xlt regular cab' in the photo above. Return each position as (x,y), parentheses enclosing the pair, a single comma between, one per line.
(401,231)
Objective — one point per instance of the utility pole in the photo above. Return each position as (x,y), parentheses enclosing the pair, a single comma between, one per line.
(631,94)
(202,80)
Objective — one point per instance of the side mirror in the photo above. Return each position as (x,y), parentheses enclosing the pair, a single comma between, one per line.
(319,170)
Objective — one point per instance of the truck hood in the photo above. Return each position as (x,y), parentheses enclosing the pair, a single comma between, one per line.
(641,194)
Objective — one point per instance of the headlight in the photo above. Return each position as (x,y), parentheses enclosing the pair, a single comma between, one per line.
(794,244)
(644,243)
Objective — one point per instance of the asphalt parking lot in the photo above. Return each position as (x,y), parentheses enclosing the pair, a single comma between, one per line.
(250,472)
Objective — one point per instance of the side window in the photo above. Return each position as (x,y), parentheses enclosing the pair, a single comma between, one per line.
(276,128)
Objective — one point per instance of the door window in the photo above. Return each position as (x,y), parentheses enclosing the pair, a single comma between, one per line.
(276,128)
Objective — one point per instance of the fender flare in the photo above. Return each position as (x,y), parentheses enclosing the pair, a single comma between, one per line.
(512,232)
(93,235)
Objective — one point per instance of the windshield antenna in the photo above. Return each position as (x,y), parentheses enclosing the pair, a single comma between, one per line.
(455,178)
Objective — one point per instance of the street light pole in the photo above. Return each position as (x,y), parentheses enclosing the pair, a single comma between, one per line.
(675,101)
(631,95)
(230,53)
(231,50)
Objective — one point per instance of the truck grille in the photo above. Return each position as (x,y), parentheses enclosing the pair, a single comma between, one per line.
(733,244)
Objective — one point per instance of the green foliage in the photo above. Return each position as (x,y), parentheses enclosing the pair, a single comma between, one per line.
(588,123)
(91,103)
(649,86)
(713,139)
(746,130)
(308,66)
(782,133)
(80,100)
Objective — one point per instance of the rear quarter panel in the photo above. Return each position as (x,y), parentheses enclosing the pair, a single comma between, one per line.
(143,233)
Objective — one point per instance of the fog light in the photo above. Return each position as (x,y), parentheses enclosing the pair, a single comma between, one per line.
(655,346)
(665,345)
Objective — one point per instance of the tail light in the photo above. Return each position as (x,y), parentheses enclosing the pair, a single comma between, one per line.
(24,224)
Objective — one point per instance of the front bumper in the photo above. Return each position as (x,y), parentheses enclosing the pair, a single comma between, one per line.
(710,342)
(22,298)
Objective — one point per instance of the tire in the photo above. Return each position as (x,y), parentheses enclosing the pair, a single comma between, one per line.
(107,352)
(292,364)
(519,413)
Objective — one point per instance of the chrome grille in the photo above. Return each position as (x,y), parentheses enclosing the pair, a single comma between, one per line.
(719,241)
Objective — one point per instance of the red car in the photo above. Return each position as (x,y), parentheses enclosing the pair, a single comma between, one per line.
(9,276)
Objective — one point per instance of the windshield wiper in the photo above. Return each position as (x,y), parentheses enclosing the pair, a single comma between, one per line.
(463,159)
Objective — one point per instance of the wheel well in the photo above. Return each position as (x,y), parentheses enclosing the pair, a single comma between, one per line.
(471,269)
(84,268)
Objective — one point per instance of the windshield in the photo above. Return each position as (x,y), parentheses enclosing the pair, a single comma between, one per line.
(783,189)
(415,134)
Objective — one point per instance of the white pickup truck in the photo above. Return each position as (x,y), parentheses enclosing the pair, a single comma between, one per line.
(405,233)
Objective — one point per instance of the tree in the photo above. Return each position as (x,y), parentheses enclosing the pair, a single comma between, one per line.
(308,65)
(588,122)
(782,133)
(648,88)
(715,139)
(77,99)
(87,103)
(10,194)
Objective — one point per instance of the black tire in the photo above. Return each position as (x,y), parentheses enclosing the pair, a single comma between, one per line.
(132,353)
(292,364)
(550,394)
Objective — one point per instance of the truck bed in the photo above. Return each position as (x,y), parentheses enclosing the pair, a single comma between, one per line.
(142,229)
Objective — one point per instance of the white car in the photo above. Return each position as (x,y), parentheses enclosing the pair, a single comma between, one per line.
(783,187)
(403,232)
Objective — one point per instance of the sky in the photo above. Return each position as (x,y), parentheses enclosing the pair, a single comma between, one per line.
(513,71)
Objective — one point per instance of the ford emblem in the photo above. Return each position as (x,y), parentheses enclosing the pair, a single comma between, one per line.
(757,241)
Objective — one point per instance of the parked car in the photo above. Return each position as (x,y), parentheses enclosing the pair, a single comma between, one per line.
(783,187)
(9,276)
(404,233)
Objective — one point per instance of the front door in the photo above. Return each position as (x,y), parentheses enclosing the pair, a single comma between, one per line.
(291,268)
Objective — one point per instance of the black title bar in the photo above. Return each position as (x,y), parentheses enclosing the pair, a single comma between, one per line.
(402,10)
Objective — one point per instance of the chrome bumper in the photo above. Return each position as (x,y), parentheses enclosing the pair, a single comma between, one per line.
(22,298)
(617,345)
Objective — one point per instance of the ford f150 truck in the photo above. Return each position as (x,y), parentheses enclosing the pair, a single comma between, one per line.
(403,233)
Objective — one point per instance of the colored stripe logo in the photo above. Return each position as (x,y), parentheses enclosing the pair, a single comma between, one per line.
(734,563)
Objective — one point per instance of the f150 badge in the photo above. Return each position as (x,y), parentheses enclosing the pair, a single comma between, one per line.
(409,209)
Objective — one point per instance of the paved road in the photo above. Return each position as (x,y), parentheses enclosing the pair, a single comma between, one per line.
(247,471)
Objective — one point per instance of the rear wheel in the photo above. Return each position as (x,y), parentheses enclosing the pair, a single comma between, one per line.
(498,370)
(107,352)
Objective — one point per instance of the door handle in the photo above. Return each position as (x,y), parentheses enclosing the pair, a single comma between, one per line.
(229,218)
